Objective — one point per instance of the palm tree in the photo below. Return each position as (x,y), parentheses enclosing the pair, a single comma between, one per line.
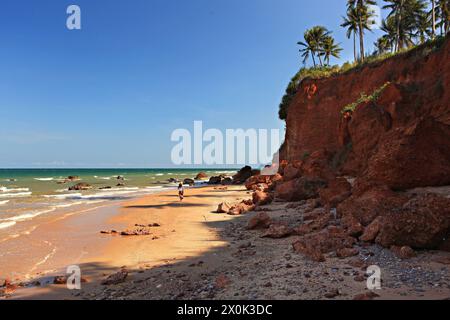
(382,45)
(364,16)
(433,17)
(314,39)
(330,49)
(443,12)
(351,23)
(397,7)
(423,27)
(387,41)
(408,16)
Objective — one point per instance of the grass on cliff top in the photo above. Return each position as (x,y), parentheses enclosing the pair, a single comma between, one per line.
(322,72)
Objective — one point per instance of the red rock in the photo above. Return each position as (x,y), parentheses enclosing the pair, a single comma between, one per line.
(253,182)
(338,190)
(277,231)
(276,178)
(136,231)
(372,230)
(308,250)
(115,278)
(313,214)
(370,204)
(261,220)
(357,263)
(264,187)
(299,189)
(241,208)
(353,226)
(404,252)
(398,163)
(302,230)
(365,131)
(399,158)
(313,204)
(200,176)
(242,175)
(223,207)
(318,166)
(261,198)
(320,222)
(291,172)
(423,222)
(366,296)
(314,245)
(347,252)
(222,281)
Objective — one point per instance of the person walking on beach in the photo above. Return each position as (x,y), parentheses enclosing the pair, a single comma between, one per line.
(181,191)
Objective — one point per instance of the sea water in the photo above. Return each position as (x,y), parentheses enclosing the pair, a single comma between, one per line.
(28,194)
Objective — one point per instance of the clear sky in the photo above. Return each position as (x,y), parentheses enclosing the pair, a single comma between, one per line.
(110,94)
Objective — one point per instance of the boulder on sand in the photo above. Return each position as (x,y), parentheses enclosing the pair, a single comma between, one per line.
(337,191)
(404,252)
(365,206)
(331,239)
(227,181)
(251,182)
(241,208)
(423,223)
(242,175)
(278,231)
(201,175)
(223,207)
(216,179)
(189,182)
(299,189)
(261,220)
(261,198)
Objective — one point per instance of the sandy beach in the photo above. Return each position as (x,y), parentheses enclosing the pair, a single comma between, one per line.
(196,253)
(183,234)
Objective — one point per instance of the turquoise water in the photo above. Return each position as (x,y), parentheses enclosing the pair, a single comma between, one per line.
(48,181)
(28,194)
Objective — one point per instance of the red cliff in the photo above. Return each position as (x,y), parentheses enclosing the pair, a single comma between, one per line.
(400,139)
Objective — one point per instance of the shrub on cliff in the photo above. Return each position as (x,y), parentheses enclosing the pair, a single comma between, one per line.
(303,73)
(350,108)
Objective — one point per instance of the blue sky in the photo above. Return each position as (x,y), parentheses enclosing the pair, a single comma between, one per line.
(110,95)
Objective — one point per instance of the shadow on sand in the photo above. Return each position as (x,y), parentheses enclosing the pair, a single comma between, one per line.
(142,280)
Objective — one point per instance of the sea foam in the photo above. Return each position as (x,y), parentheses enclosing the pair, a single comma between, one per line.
(15,195)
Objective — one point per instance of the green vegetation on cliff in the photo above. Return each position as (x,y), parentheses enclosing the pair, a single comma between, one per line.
(321,72)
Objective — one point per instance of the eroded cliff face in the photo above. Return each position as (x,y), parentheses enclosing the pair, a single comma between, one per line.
(401,139)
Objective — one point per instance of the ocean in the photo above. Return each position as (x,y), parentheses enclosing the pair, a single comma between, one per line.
(30,194)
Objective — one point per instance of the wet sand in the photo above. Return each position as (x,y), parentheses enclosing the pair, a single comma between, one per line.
(182,234)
